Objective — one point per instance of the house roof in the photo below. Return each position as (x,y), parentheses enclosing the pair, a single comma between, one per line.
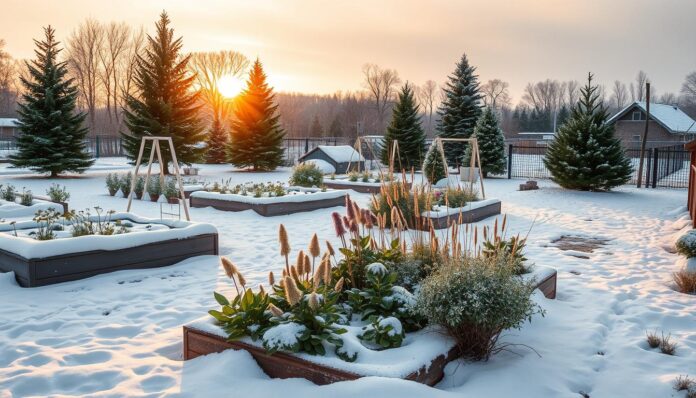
(670,117)
(8,122)
(338,153)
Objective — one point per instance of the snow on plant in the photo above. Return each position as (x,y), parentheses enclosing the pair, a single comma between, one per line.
(113,183)
(26,198)
(154,188)
(58,193)
(284,337)
(124,184)
(686,244)
(8,193)
(307,175)
(475,300)
(455,196)
(139,187)
(170,190)
(82,223)
(383,332)
(46,222)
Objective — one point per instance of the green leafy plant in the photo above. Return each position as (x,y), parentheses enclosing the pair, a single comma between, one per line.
(307,175)
(245,315)
(26,198)
(125,184)
(384,332)
(170,190)
(58,193)
(113,183)
(456,196)
(474,300)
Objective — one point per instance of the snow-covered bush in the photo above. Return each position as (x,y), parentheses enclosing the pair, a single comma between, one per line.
(154,188)
(384,332)
(8,193)
(113,183)
(475,300)
(58,193)
(456,196)
(307,175)
(139,187)
(46,221)
(26,198)
(124,184)
(434,168)
(686,244)
(170,190)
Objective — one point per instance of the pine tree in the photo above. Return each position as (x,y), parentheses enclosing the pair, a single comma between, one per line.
(316,130)
(216,148)
(434,167)
(52,131)
(491,144)
(256,133)
(336,129)
(460,109)
(406,129)
(165,104)
(585,155)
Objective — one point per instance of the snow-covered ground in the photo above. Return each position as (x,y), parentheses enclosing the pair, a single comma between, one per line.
(120,334)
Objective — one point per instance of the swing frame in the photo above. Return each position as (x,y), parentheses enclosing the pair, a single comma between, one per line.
(475,158)
(369,140)
(155,149)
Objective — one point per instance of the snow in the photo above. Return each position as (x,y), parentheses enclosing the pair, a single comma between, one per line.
(376,269)
(323,165)
(119,334)
(10,210)
(341,153)
(30,248)
(283,335)
(294,195)
(670,116)
(394,323)
(439,210)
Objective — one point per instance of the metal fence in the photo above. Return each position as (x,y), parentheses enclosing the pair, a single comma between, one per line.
(663,167)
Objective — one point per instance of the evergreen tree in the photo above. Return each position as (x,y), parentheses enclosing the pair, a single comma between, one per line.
(562,116)
(336,129)
(257,137)
(316,130)
(406,129)
(491,144)
(216,148)
(52,131)
(165,104)
(460,109)
(585,155)
(434,168)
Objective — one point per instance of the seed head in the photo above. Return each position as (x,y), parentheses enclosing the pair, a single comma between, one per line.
(230,269)
(275,310)
(314,248)
(339,285)
(292,293)
(271,278)
(284,241)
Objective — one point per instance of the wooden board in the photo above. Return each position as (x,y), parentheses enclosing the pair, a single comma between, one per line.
(268,209)
(469,216)
(284,365)
(548,286)
(357,187)
(74,266)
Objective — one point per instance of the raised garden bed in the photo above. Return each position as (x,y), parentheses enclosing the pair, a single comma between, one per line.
(443,217)
(357,186)
(294,201)
(545,278)
(422,358)
(67,258)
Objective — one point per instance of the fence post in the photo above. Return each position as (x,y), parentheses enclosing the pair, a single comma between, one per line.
(655,165)
(648,170)
(306,145)
(97,150)
(509,161)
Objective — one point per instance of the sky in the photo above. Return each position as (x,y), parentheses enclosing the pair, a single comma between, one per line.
(319,46)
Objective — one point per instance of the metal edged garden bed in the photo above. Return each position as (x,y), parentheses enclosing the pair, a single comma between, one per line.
(460,216)
(279,206)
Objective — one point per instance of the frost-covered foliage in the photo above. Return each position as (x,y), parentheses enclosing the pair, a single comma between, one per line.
(113,183)
(46,222)
(139,187)
(455,196)
(124,184)
(154,187)
(383,332)
(58,193)
(26,198)
(171,191)
(476,299)
(245,315)
(686,244)
(434,167)
(284,337)
(307,175)
(257,190)
(8,192)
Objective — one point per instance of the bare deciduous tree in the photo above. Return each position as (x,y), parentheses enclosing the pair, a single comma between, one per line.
(688,88)
(496,94)
(669,99)
(638,87)
(116,41)
(619,95)
(7,75)
(546,96)
(84,47)
(381,84)
(426,94)
(572,93)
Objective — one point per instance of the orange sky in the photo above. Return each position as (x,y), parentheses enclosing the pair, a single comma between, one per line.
(320,46)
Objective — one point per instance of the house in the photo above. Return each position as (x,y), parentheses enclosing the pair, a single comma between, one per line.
(343,158)
(8,128)
(668,125)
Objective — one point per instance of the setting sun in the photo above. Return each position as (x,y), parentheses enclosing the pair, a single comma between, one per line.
(230,86)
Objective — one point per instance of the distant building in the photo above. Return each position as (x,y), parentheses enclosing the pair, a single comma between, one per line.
(668,124)
(8,128)
(343,158)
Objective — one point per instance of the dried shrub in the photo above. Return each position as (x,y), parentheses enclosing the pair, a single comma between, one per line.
(683,383)
(685,281)
(653,339)
(667,346)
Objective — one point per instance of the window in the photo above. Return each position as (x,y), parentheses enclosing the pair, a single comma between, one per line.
(638,115)
(636,137)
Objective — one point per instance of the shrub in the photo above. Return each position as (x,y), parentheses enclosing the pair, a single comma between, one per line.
(26,198)
(686,244)
(57,193)
(307,175)
(112,183)
(154,187)
(508,251)
(170,190)
(139,187)
(353,176)
(457,196)
(667,346)
(434,168)
(685,281)
(8,193)
(397,194)
(125,184)
(46,220)
(384,332)
(475,300)
(653,339)
(683,383)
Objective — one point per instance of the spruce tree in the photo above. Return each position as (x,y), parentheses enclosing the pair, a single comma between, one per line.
(336,129)
(585,155)
(316,130)
(434,168)
(406,129)
(52,139)
(460,109)
(491,143)
(257,137)
(216,148)
(165,104)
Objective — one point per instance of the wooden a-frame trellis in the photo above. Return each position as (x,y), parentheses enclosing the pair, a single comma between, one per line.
(473,162)
(369,140)
(155,149)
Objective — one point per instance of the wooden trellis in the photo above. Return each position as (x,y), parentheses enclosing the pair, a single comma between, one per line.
(370,140)
(155,149)
(473,162)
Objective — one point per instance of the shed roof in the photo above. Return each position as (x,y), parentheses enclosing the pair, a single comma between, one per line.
(338,153)
(8,122)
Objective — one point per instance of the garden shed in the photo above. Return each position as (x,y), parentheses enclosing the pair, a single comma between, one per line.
(343,158)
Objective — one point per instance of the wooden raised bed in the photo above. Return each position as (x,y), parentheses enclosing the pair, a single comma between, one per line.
(357,186)
(548,286)
(269,209)
(283,365)
(32,272)
(466,217)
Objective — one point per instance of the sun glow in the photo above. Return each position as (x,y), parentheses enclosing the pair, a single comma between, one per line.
(230,86)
